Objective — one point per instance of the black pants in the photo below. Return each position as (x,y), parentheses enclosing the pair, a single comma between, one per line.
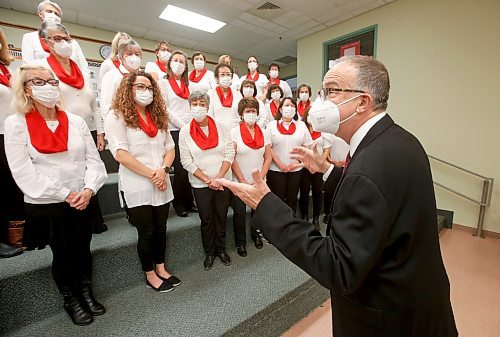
(94,209)
(68,233)
(309,180)
(151,224)
(239,217)
(212,206)
(183,195)
(285,186)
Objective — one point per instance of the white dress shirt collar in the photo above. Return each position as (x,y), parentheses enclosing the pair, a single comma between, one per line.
(362,131)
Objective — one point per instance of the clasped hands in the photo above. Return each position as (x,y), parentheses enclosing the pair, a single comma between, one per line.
(79,200)
(159,179)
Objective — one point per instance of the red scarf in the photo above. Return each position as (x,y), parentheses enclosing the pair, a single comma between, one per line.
(150,128)
(183,91)
(301,108)
(44,45)
(5,76)
(196,79)
(274,108)
(274,81)
(75,79)
(255,142)
(254,78)
(199,136)
(162,66)
(283,130)
(315,135)
(42,138)
(117,64)
(226,101)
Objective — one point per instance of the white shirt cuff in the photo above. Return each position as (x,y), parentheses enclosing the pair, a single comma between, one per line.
(327,173)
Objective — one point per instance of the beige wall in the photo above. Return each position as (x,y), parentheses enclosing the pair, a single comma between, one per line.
(443,57)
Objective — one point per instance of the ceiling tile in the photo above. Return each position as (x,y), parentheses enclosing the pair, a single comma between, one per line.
(344,17)
(238,23)
(376,4)
(360,10)
(301,19)
(352,5)
(280,29)
(292,14)
(248,17)
(245,5)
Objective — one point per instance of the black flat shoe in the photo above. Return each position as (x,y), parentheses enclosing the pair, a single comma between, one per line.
(76,312)
(99,228)
(258,242)
(174,281)
(225,259)
(89,302)
(242,250)
(183,214)
(165,287)
(209,262)
(9,251)
(194,209)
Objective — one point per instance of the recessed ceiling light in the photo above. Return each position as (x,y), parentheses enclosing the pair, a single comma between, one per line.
(191,19)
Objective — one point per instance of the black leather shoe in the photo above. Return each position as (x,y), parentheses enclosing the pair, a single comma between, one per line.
(225,259)
(99,228)
(316,223)
(164,287)
(90,303)
(9,251)
(209,262)
(194,209)
(258,242)
(183,214)
(78,314)
(242,250)
(174,281)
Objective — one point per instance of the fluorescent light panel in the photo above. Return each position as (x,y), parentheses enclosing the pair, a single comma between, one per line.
(191,19)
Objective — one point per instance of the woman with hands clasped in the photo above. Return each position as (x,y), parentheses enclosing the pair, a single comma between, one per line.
(139,140)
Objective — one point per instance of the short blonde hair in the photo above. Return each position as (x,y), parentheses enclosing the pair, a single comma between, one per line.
(51,3)
(222,57)
(114,44)
(21,103)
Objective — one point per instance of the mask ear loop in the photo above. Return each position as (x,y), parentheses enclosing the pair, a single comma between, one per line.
(347,101)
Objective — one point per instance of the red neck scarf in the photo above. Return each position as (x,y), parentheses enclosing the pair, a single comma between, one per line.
(254,78)
(196,79)
(162,66)
(75,79)
(315,135)
(203,141)
(183,91)
(255,142)
(5,75)
(274,108)
(44,45)
(150,128)
(301,107)
(117,64)
(283,130)
(274,81)
(42,138)
(226,101)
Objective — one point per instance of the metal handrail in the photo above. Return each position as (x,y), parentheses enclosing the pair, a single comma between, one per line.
(485,198)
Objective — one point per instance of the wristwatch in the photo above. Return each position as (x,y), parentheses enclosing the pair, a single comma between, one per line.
(166,168)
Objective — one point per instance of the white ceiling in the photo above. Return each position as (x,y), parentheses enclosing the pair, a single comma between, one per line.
(269,35)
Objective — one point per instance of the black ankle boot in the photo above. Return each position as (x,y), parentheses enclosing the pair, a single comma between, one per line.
(89,302)
(78,315)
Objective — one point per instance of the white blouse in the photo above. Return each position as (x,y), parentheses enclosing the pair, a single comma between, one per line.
(80,102)
(208,161)
(106,66)
(260,83)
(139,190)
(152,67)
(248,158)
(338,147)
(177,107)
(282,144)
(287,91)
(206,83)
(5,98)
(49,178)
(267,115)
(227,116)
(110,82)
(322,143)
(32,49)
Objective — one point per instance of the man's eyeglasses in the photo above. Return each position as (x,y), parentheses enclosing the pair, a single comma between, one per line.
(40,82)
(332,92)
(142,87)
(60,38)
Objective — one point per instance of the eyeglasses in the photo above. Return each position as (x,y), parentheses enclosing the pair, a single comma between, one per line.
(332,92)
(142,87)
(40,82)
(60,38)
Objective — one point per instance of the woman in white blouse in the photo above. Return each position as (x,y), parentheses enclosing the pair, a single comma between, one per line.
(200,78)
(235,85)
(159,69)
(224,100)
(274,78)
(286,133)
(207,153)
(253,74)
(77,96)
(249,90)
(175,92)
(112,61)
(274,96)
(252,150)
(58,175)
(139,140)
(304,102)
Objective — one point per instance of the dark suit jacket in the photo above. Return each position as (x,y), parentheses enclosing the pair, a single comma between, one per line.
(381,258)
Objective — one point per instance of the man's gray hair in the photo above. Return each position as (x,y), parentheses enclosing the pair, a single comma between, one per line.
(48,2)
(126,44)
(49,25)
(197,95)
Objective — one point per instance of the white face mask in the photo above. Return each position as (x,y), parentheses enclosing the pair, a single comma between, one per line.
(276,95)
(133,62)
(164,55)
(273,73)
(177,67)
(325,115)
(225,81)
(63,49)
(304,96)
(47,94)
(51,17)
(199,113)
(252,65)
(288,111)
(248,92)
(199,64)
(250,118)
(143,98)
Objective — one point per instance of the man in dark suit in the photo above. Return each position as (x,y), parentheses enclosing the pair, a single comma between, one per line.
(381,258)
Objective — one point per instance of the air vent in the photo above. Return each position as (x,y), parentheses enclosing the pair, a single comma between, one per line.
(287,59)
(268,6)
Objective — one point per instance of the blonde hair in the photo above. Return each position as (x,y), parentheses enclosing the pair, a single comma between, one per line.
(5,57)
(114,44)
(21,103)
(222,57)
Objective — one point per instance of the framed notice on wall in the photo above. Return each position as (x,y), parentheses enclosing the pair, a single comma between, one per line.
(351,48)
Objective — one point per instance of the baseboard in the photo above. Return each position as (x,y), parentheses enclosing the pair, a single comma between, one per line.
(472,230)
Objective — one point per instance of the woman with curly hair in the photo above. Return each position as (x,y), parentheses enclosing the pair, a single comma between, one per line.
(138,137)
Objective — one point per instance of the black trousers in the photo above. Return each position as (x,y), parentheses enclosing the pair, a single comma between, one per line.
(212,207)
(151,224)
(183,195)
(309,180)
(239,217)
(68,233)
(285,186)
(94,209)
